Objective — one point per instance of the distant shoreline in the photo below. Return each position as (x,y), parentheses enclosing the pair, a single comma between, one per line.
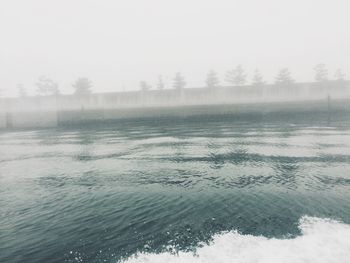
(324,111)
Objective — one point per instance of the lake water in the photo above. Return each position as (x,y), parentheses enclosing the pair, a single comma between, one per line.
(200,191)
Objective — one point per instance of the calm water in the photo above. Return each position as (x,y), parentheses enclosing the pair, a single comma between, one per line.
(209,191)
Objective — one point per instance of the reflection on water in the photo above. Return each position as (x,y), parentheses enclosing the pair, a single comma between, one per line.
(101,193)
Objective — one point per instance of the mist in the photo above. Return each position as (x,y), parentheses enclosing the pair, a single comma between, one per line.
(117,44)
(174,131)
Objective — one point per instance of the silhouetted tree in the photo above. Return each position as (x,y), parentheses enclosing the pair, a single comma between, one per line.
(179,81)
(258,78)
(82,86)
(160,84)
(46,86)
(144,86)
(21,90)
(212,79)
(321,72)
(284,77)
(236,76)
(339,75)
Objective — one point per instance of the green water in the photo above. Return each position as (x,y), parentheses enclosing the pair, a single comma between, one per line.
(102,194)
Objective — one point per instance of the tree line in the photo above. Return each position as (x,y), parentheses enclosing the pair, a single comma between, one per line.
(238,77)
(234,77)
(47,87)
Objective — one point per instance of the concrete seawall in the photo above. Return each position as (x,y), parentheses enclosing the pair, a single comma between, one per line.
(234,111)
(3,124)
(22,120)
(259,111)
(39,119)
(237,102)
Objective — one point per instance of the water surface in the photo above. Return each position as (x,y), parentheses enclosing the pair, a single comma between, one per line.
(106,193)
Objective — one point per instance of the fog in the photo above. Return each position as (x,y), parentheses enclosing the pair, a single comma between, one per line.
(79,61)
(174,131)
(117,44)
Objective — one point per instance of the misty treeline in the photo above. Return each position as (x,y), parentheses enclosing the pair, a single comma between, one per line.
(46,86)
(238,77)
(234,77)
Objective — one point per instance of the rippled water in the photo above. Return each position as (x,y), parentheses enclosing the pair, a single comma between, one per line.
(203,191)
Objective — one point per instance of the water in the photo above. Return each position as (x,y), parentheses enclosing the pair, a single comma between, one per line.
(201,191)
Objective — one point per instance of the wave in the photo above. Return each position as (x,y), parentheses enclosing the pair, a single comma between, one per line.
(321,240)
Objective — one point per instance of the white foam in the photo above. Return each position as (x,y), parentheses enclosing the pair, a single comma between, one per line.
(322,240)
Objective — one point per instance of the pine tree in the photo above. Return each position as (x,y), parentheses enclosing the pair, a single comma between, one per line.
(21,90)
(46,86)
(82,87)
(212,80)
(179,81)
(160,84)
(321,72)
(339,75)
(284,77)
(258,79)
(236,76)
(144,86)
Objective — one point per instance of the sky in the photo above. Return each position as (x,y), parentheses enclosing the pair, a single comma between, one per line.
(116,44)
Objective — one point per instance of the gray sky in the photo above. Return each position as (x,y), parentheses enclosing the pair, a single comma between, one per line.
(118,43)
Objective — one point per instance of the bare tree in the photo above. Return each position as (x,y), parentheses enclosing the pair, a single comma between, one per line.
(179,81)
(236,76)
(284,77)
(82,86)
(160,84)
(339,75)
(321,73)
(258,78)
(144,86)
(21,90)
(212,79)
(47,87)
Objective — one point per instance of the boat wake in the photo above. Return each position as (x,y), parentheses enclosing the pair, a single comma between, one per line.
(321,240)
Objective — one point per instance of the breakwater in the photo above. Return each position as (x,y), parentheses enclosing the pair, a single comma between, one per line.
(320,110)
(269,101)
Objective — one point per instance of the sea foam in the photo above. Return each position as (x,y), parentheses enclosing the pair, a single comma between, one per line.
(321,240)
